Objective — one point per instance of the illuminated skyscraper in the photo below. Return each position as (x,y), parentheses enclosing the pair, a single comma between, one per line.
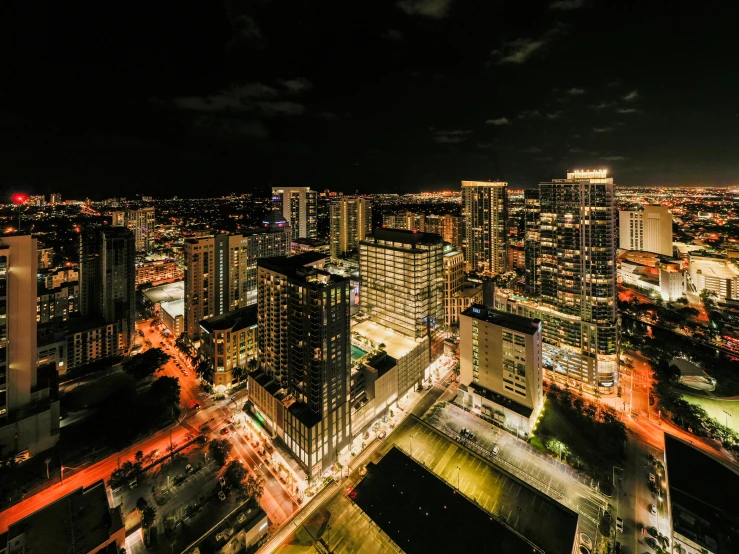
(402,280)
(299,206)
(578,280)
(304,345)
(484,214)
(351,222)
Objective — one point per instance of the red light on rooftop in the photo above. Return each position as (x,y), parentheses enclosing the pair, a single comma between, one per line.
(19,198)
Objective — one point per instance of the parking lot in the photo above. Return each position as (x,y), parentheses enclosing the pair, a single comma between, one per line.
(546,474)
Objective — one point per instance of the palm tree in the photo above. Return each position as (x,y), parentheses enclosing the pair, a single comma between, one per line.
(148,516)
(252,365)
(237,372)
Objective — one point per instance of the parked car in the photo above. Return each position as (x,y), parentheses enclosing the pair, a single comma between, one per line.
(496,450)
(222,481)
(224,431)
(651,478)
(221,496)
(382,435)
(653,509)
(188,468)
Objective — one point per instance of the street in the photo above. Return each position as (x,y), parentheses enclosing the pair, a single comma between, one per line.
(277,502)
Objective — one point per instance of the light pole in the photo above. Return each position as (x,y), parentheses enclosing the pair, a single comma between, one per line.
(47,461)
(458,470)
(411,437)
(727,417)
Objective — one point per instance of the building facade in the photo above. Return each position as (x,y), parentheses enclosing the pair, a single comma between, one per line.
(402,280)
(484,213)
(501,365)
(532,241)
(29,409)
(447,226)
(141,223)
(406,221)
(229,341)
(221,270)
(577,304)
(107,281)
(649,230)
(351,222)
(299,207)
(308,310)
(158,272)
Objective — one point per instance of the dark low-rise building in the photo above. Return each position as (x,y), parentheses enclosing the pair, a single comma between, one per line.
(82,522)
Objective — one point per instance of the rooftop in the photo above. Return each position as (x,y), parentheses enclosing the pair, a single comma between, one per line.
(166,293)
(504,319)
(304,414)
(75,524)
(240,318)
(698,486)
(174,308)
(403,236)
(289,265)
(421,513)
(245,517)
(396,344)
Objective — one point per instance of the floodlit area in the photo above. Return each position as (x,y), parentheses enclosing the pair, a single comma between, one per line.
(396,345)
(340,526)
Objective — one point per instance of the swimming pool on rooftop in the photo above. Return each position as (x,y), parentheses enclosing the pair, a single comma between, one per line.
(357,352)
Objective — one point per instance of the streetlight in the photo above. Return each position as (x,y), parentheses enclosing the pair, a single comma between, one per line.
(411,437)
(727,417)
(458,470)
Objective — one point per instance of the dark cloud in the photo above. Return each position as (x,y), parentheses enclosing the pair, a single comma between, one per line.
(433,9)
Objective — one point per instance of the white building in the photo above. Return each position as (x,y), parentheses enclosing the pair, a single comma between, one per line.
(299,206)
(714,273)
(649,230)
(649,271)
(501,370)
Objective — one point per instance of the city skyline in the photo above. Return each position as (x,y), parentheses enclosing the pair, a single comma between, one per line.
(289,276)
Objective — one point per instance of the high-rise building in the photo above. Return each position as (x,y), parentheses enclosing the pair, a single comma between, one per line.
(36,200)
(107,282)
(501,366)
(402,281)
(299,206)
(484,213)
(532,241)
(29,409)
(407,221)
(272,317)
(447,226)
(141,222)
(304,344)
(55,198)
(351,222)
(577,304)
(649,230)
(221,270)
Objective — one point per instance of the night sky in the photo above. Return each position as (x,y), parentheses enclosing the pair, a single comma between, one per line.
(198,98)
